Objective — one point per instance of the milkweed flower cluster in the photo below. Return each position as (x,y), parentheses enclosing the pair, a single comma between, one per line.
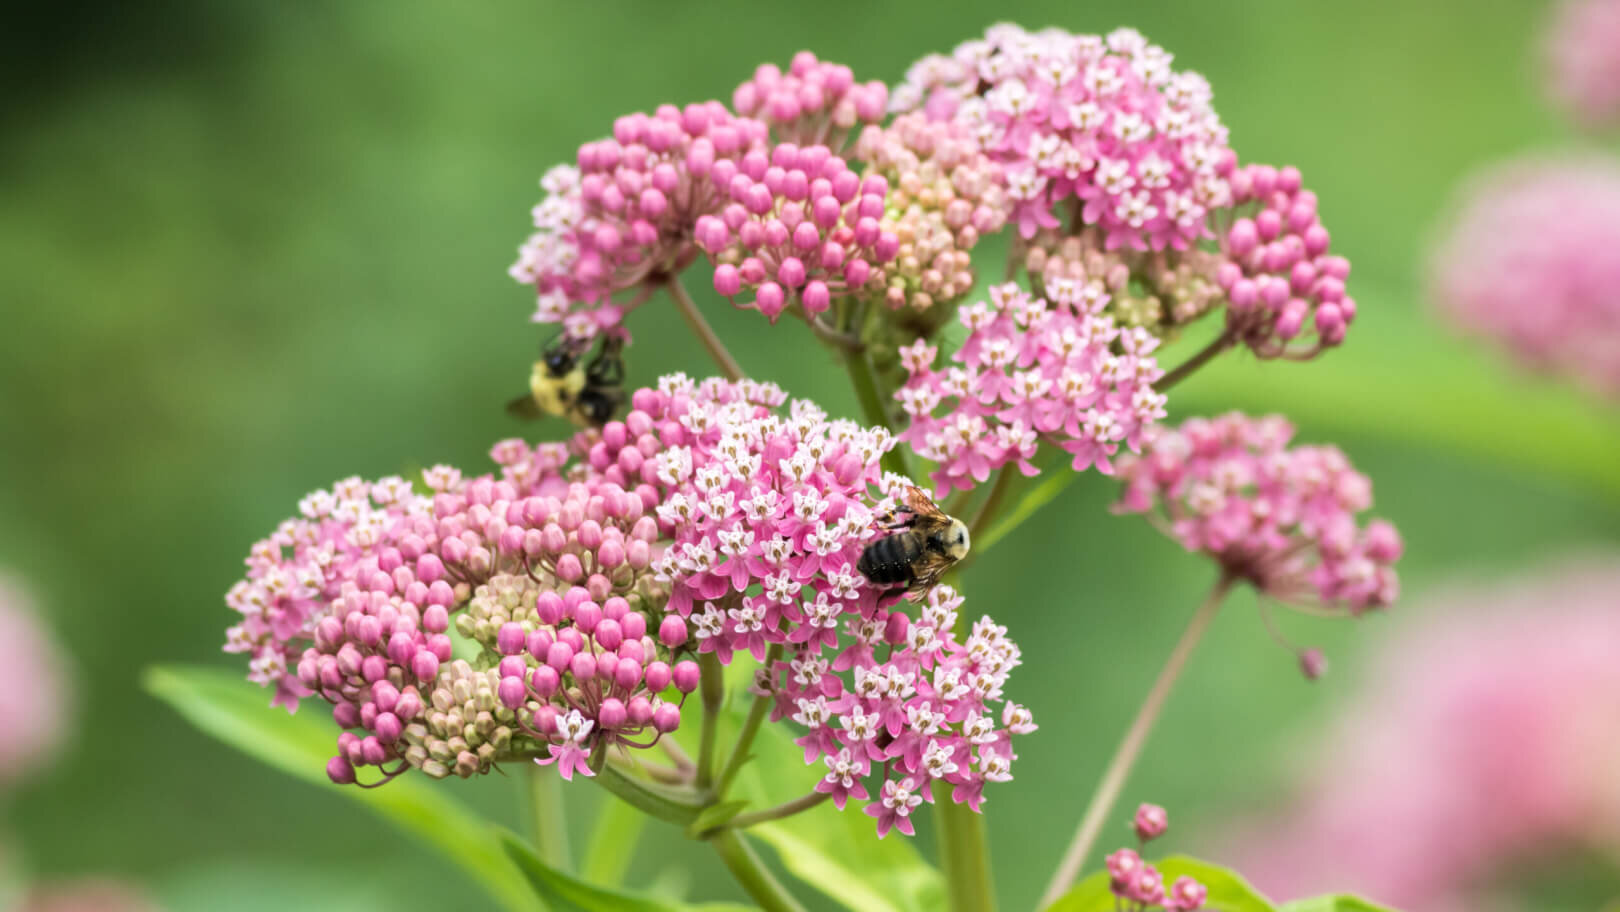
(34,698)
(1282,285)
(704,522)
(1281,518)
(1583,60)
(1530,263)
(814,103)
(624,213)
(799,227)
(1158,291)
(1031,370)
(1138,885)
(944,195)
(1103,121)
(1541,656)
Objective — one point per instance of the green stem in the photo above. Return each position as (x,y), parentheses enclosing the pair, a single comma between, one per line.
(864,377)
(745,738)
(677,806)
(1183,370)
(964,853)
(1119,767)
(613,842)
(550,819)
(992,504)
(713,690)
(756,879)
(785,809)
(704,332)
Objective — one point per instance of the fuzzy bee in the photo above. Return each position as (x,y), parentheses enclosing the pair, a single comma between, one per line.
(925,544)
(562,384)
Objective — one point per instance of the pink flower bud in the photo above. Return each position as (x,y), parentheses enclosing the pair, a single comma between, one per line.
(672,630)
(666,718)
(659,675)
(340,771)
(1151,822)
(686,676)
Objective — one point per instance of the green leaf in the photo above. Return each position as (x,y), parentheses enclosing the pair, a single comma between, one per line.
(614,835)
(1228,892)
(1056,480)
(566,893)
(222,704)
(1339,903)
(713,816)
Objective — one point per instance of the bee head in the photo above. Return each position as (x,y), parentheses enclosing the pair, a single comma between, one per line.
(952,541)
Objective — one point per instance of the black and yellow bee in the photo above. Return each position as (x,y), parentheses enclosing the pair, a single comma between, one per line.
(561,383)
(926,544)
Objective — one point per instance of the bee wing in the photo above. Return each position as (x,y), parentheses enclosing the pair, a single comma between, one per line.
(928,569)
(524,407)
(923,507)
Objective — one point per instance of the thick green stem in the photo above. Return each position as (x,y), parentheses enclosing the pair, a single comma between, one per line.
(964,853)
(745,738)
(862,374)
(550,819)
(704,332)
(677,806)
(713,690)
(745,865)
(992,504)
(1119,768)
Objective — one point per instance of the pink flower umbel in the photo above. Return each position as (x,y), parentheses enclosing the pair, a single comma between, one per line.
(707,521)
(1139,886)
(1482,744)
(35,701)
(813,103)
(1583,61)
(1031,371)
(1530,263)
(622,217)
(1104,122)
(1283,519)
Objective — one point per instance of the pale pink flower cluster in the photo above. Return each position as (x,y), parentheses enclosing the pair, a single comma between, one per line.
(814,103)
(1137,885)
(944,195)
(798,226)
(768,515)
(1281,518)
(1481,748)
(1103,121)
(1031,370)
(34,689)
(1583,60)
(623,216)
(1285,292)
(1530,262)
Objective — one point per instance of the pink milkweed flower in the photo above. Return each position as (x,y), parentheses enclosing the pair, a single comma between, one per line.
(623,213)
(1030,371)
(1481,747)
(1151,822)
(796,226)
(1141,885)
(1103,121)
(34,692)
(1281,518)
(814,102)
(1529,263)
(894,809)
(1582,51)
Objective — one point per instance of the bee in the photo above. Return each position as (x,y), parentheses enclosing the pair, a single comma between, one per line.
(562,384)
(926,544)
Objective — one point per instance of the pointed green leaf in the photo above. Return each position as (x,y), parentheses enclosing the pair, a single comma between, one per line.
(222,704)
(1228,892)
(566,893)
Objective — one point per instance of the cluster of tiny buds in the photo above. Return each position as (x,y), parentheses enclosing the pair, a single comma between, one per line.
(814,102)
(798,226)
(1138,885)
(1280,281)
(1158,290)
(944,195)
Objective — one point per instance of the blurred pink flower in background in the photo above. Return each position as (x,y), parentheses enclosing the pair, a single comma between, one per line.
(87,895)
(1484,742)
(1530,261)
(1583,60)
(33,688)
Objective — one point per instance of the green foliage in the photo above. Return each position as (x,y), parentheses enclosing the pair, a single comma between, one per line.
(1337,903)
(220,703)
(566,893)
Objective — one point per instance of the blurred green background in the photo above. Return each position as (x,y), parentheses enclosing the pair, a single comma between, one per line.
(247,249)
